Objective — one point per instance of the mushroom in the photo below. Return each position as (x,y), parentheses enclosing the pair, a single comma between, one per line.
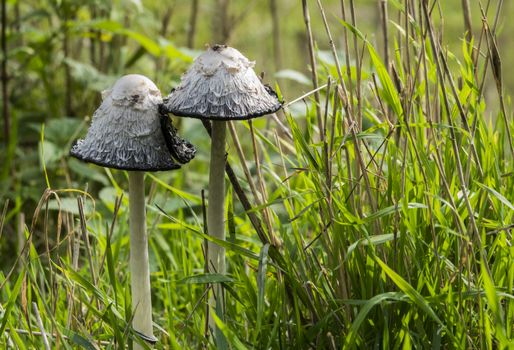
(220,86)
(128,132)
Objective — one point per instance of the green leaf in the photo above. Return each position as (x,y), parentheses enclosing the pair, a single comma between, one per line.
(108,197)
(225,244)
(79,340)
(363,314)
(261,285)
(12,301)
(389,91)
(393,208)
(293,75)
(229,335)
(89,76)
(50,153)
(498,195)
(151,46)
(172,52)
(301,143)
(174,190)
(110,267)
(117,28)
(372,240)
(494,306)
(107,25)
(92,173)
(69,205)
(412,294)
(205,278)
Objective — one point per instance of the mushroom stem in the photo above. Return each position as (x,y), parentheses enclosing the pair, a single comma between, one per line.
(215,214)
(139,265)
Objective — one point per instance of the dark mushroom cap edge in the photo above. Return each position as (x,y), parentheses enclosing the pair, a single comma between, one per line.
(133,167)
(179,113)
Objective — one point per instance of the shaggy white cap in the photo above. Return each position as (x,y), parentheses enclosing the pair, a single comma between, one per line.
(126,132)
(221,84)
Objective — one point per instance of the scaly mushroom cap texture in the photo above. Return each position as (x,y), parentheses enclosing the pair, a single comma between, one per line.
(222,85)
(126,129)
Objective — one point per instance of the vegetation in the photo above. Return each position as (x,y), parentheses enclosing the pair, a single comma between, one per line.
(374,211)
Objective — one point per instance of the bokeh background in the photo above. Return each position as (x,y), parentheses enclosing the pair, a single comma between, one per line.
(62,54)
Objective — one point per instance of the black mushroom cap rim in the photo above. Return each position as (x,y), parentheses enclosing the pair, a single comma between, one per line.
(129,133)
(130,167)
(180,149)
(221,85)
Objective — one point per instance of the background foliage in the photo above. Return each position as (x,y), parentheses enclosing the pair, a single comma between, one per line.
(386,194)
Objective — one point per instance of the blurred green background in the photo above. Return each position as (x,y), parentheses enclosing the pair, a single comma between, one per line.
(62,54)
(97,41)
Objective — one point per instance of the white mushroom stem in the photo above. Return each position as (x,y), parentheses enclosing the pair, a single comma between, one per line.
(139,265)
(215,213)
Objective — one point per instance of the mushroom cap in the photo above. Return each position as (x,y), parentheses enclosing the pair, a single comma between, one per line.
(222,85)
(126,129)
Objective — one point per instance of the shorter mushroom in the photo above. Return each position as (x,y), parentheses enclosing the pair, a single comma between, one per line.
(128,132)
(221,85)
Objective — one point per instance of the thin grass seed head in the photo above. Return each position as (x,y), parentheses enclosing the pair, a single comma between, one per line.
(128,132)
(221,84)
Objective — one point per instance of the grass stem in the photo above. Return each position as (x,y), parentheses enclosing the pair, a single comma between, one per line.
(5,78)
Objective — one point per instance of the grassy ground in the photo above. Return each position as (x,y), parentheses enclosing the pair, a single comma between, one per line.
(387,192)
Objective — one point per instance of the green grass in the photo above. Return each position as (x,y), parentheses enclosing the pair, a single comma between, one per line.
(386,213)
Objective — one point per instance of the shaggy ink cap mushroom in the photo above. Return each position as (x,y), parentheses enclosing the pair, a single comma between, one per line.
(128,132)
(221,85)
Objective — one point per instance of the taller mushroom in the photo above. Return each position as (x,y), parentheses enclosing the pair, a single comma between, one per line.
(128,132)
(220,86)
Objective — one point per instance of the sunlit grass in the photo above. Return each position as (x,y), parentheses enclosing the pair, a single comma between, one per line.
(380,219)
